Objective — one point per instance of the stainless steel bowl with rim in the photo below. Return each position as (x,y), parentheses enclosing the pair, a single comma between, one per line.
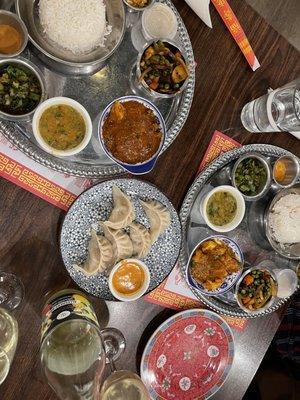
(150,2)
(288,250)
(24,63)
(139,73)
(264,161)
(269,303)
(11,19)
(292,171)
(65,61)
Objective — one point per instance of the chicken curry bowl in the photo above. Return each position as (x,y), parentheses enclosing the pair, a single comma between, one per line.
(132,132)
(215,265)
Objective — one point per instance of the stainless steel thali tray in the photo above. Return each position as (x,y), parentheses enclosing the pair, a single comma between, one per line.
(95,92)
(250,234)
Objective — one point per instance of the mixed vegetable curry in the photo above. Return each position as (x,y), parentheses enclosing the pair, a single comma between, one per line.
(163,68)
(212,262)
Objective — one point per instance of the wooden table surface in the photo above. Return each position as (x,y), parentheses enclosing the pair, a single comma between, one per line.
(29,226)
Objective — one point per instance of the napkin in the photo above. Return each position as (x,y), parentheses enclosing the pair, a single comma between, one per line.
(201,8)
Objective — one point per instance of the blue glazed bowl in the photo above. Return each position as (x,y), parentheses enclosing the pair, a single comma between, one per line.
(229,281)
(145,166)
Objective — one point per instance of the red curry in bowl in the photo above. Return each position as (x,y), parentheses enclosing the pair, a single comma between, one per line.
(132,132)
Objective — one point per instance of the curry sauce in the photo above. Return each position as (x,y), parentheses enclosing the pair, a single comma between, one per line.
(132,132)
(129,278)
(62,127)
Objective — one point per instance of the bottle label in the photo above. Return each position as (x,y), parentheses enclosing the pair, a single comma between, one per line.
(66,307)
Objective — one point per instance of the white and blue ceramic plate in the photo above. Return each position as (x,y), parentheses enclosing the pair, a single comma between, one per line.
(230,279)
(96,204)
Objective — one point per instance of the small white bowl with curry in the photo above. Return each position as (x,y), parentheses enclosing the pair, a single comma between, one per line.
(129,279)
(62,126)
(223,208)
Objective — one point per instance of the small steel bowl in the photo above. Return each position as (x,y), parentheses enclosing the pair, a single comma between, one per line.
(268,304)
(62,60)
(263,190)
(291,251)
(9,18)
(229,281)
(24,63)
(292,171)
(147,165)
(150,2)
(144,85)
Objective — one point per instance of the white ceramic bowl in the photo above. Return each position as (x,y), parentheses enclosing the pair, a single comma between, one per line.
(78,107)
(137,294)
(240,202)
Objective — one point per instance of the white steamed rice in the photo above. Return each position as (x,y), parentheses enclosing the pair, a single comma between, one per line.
(76,25)
(285,219)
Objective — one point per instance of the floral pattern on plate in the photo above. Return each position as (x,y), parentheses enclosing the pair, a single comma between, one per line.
(188,357)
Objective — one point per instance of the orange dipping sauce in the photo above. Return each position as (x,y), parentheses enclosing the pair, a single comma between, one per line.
(128,278)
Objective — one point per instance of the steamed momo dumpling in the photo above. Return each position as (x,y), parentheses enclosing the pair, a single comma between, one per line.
(121,243)
(123,212)
(159,217)
(100,255)
(141,239)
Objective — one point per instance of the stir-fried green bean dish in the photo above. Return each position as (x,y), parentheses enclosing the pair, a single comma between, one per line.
(250,176)
(163,68)
(256,289)
(20,90)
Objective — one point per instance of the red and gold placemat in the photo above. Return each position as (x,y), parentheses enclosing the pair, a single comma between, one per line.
(174,292)
(57,188)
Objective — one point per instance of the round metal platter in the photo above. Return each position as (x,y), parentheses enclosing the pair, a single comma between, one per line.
(95,205)
(95,92)
(249,235)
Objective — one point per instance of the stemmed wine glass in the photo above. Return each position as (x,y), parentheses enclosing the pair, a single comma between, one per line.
(120,384)
(11,295)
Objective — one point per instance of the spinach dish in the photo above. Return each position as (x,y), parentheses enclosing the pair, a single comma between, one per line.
(20,90)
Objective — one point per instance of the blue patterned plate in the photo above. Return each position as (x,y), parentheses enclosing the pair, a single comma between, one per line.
(96,204)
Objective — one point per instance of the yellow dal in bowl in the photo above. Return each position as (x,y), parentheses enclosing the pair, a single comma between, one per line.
(62,127)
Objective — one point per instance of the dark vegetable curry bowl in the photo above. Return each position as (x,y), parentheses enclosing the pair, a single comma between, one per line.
(162,69)
(22,89)
(252,176)
(132,133)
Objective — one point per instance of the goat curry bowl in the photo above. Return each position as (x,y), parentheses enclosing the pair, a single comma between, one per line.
(132,133)
(215,265)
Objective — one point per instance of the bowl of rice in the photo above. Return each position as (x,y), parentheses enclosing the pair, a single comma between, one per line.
(74,37)
(283,222)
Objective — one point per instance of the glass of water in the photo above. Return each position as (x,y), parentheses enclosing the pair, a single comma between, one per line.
(276,111)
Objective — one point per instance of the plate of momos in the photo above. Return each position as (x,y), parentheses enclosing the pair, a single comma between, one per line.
(115,220)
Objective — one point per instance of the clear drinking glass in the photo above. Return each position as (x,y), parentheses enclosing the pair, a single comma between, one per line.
(8,341)
(124,385)
(120,385)
(279,110)
(11,295)
(11,291)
